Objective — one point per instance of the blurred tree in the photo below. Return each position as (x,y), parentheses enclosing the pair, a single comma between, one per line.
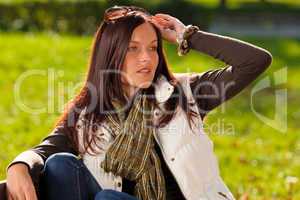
(223,3)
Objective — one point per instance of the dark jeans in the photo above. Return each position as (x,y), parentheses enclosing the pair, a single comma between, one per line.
(66,177)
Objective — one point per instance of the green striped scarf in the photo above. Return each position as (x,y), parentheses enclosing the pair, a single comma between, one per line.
(132,154)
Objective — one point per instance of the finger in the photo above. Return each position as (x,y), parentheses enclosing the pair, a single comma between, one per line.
(170,23)
(156,23)
(12,196)
(164,24)
(30,194)
(9,196)
(160,27)
(18,196)
(165,16)
(163,20)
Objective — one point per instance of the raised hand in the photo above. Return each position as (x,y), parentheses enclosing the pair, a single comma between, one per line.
(169,26)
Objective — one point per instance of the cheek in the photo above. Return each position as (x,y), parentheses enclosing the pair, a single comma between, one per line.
(129,64)
(155,60)
(128,68)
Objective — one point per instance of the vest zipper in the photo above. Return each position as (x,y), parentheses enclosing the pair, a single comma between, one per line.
(223,195)
(163,153)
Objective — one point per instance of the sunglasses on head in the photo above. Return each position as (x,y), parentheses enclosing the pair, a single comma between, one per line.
(117,12)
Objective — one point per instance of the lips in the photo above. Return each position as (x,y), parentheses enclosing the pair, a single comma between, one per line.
(144,70)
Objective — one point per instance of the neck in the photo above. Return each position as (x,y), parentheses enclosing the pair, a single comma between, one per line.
(130,91)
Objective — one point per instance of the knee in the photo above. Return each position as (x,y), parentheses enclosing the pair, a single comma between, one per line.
(109,194)
(106,194)
(61,163)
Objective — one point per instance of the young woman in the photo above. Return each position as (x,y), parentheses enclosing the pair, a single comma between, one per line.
(135,131)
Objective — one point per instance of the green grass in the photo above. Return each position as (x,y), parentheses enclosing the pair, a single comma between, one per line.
(237,3)
(207,3)
(255,160)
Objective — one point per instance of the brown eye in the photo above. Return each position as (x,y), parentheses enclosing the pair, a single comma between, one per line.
(154,48)
(132,48)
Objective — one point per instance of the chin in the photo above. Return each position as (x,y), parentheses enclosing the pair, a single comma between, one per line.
(145,85)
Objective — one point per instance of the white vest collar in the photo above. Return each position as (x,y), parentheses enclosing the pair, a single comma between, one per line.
(163,89)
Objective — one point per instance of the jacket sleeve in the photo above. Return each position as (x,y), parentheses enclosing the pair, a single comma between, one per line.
(34,158)
(244,63)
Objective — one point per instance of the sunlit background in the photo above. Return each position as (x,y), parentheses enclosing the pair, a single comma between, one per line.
(44,49)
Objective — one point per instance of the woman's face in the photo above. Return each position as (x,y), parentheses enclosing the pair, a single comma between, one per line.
(141,58)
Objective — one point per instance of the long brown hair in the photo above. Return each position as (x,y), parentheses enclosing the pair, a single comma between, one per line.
(108,52)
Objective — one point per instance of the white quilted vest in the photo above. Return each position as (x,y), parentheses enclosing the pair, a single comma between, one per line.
(189,155)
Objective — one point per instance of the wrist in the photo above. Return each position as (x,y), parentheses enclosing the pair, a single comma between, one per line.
(179,35)
(19,166)
(183,46)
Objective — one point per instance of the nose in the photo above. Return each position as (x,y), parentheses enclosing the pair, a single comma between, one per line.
(144,56)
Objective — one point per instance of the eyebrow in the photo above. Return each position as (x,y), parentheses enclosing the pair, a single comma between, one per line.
(139,42)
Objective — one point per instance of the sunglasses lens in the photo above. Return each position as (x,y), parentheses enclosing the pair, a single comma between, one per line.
(115,13)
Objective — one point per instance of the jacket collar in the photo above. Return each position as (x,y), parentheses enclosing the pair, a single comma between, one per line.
(163,89)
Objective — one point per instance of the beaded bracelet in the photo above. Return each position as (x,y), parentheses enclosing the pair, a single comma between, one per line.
(182,39)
